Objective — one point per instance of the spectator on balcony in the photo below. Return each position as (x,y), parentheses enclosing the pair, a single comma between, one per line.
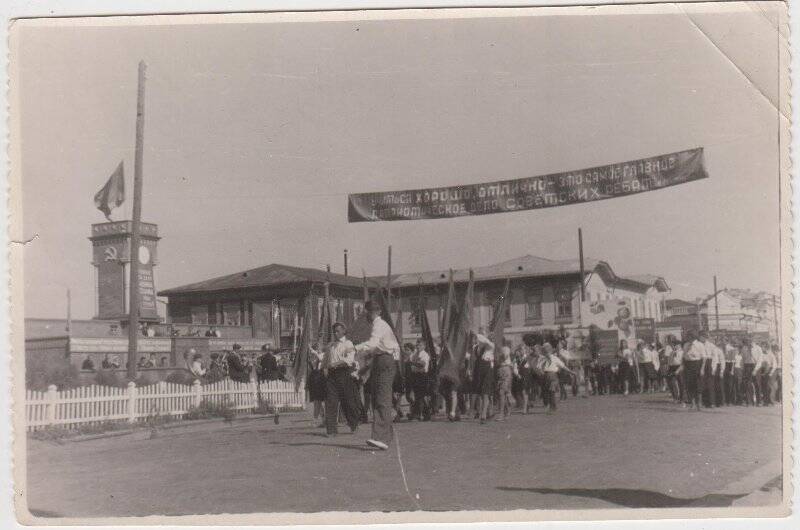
(110,362)
(151,361)
(142,362)
(88,364)
(163,362)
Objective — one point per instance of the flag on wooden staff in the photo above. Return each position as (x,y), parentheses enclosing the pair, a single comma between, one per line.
(427,335)
(300,364)
(450,310)
(459,337)
(325,331)
(499,317)
(112,194)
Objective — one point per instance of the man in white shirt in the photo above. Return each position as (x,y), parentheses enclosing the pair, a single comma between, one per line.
(647,370)
(777,372)
(674,352)
(551,365)
(693,358)
(384,351)
(768,362)
(715,360)
(420,365)
(757,355)
(338,366)
(708,370)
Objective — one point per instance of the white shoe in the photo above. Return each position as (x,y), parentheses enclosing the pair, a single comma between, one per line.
(378,444)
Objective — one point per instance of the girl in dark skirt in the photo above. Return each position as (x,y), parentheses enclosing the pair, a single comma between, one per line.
(624,373)
(316,385)
(485,382)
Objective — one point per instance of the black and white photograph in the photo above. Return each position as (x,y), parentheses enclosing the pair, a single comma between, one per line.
(411,265)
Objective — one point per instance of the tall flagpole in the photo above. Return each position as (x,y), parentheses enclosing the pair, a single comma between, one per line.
(133,298)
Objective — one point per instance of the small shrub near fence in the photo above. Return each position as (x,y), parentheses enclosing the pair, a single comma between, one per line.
(95,405)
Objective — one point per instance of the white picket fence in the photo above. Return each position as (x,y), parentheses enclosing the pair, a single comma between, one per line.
(95,404)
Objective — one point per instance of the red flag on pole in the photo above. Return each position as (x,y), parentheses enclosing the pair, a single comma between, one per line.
(459,337)
(325,331)
(425,328)
(112,194)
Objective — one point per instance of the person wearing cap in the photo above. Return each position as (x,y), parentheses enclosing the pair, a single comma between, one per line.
(339,366)
(237,371)
(384,350)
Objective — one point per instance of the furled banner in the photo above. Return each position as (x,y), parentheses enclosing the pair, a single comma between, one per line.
(559,189)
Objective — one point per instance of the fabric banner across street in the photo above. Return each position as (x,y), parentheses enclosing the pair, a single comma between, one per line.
(530,193)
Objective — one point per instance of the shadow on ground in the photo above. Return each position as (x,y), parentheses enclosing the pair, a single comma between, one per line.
(631,498)
(318,444)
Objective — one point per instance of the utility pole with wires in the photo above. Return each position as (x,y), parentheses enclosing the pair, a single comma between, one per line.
(716,303)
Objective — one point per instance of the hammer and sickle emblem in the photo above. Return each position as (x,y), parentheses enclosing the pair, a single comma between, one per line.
(111,254)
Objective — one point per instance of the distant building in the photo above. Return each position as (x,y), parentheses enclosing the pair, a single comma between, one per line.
(742,310)
(684,314)
(544,294)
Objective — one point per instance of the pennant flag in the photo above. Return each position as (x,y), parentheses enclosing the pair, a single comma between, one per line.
(459,337)
(112,194)
(300,364)
(499,317)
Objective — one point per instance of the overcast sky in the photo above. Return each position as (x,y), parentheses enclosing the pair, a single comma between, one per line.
(255,134)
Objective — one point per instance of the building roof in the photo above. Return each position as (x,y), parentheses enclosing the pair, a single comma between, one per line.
(672,303)
(271,275)
(527,266)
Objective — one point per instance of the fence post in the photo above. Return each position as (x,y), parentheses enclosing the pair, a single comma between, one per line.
(198,393)
(52,396)
(131,402)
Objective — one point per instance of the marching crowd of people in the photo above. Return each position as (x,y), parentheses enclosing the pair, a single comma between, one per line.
(348,382)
